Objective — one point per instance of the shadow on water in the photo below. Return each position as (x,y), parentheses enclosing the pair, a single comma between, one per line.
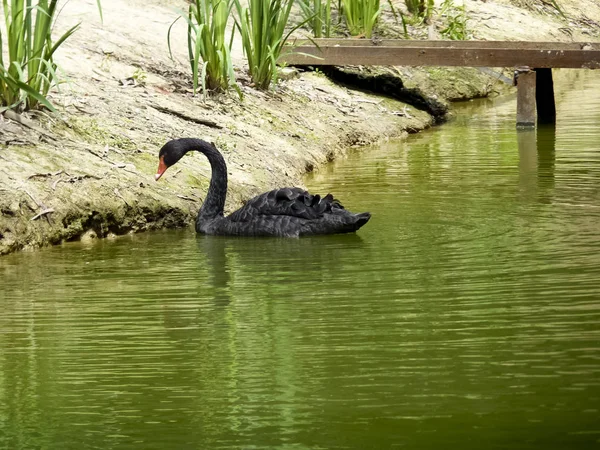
(271,259)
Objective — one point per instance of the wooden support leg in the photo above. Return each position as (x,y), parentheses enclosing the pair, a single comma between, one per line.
(526,99)
(544,97)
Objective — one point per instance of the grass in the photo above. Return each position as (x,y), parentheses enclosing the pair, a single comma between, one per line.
(208,51)
(262,26)
(361,16)
(29,72)
(529,4)
(317,14)
(415,7)
(457,21)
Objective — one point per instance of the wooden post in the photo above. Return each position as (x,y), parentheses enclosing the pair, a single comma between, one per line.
(544,96)
(526,99)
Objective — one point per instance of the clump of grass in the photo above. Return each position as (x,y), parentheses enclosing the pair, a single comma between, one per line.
(556,6)
(317,14)
(529,4)
(421,9)
(262,26)
(208,51)
(457,21)
(415,7)
(29,72)
(361,16)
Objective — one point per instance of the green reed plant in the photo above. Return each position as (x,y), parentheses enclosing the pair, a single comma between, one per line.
(556,6)
(421,10)
(208,51)
(29,71)
(457,21)
(530,4)
(317,14)
(361,16)
(262,26)
(416,7)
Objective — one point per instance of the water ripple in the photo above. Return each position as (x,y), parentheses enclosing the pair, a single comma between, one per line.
(464,315)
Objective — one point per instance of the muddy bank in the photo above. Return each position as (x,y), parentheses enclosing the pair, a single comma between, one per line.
(87,172)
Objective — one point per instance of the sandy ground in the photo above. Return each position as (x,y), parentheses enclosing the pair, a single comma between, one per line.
(88,171)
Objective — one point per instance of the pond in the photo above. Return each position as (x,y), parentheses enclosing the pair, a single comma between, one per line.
(465,314)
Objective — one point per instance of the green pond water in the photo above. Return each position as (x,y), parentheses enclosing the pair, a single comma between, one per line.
(465,315)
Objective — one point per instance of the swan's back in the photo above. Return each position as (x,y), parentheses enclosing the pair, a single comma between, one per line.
(294,212)
(293,202)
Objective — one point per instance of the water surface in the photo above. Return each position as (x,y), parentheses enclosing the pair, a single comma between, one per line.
(466,314)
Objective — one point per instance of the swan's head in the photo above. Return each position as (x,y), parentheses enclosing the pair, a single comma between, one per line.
(169,154)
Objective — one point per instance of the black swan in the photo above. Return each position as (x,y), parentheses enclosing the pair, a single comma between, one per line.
(287,212)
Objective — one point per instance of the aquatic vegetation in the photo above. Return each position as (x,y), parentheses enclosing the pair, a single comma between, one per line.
(361,16)
(30,71)
(317,14)
(209,52)
(422,9)
(262,26)
(534,4)
(457,21)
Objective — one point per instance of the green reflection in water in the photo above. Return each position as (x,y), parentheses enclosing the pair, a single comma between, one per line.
(464,315)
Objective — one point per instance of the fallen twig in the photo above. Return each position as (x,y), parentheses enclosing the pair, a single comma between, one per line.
(118,194)
(44,175)
(73,179)
(364,100)
(44,212)
(55,183)
(118,165)
(184,116)
(40,204)
(44,208)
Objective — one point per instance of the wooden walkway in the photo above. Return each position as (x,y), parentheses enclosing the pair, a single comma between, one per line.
(531,58)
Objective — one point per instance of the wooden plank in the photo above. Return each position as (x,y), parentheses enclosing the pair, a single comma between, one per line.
(441,56)
(526,99)
(403,43)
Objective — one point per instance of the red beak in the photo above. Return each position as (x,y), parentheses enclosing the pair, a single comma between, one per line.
(161,169)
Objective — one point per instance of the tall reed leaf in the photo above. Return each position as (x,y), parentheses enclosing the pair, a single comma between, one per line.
(262,26)
(317,14)
(456,28)
(29,73)
(208,51)
(361,16)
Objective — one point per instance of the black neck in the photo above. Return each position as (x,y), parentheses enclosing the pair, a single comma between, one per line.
(215,198)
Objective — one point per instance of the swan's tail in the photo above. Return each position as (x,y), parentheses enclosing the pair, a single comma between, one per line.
(340,221)
(360,219)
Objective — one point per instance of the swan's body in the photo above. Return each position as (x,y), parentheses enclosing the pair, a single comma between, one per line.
(287,212)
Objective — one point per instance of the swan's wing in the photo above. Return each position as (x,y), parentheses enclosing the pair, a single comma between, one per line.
(294,202)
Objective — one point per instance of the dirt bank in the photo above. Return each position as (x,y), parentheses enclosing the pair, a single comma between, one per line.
(88,171)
